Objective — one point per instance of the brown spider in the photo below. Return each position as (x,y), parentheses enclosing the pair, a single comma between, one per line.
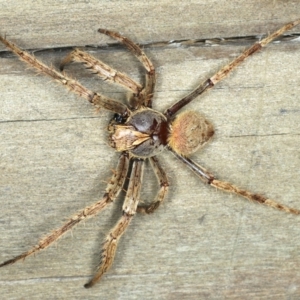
(139,133)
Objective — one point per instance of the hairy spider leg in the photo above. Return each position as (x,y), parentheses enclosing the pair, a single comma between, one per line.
(101,69)
(129,209)
(208,178)
(222,73)
(146,95)
(113,189)
(163,190)
(96,99)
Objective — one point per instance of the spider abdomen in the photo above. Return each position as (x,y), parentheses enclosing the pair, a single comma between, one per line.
(144,134)
(188,132)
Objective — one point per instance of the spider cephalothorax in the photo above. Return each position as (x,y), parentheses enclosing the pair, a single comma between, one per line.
(144,133)
(140,133)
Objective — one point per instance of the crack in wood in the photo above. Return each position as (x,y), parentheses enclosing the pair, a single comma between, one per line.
(207,42)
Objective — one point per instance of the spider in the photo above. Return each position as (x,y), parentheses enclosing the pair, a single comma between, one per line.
(140,133)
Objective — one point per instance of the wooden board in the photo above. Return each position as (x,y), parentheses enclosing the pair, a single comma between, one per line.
(202,243)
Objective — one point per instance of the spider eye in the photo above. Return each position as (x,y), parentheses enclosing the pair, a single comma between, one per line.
(119,119)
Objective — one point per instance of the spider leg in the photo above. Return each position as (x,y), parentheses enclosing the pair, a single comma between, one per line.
(222,73)
(228,187)
(129,210)
(102,70)
(164,186)
(147,92)
(112,190)
(73,85)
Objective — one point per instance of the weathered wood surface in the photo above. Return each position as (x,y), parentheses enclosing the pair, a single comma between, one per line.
(54,158)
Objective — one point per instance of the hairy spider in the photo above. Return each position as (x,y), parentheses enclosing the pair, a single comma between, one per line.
(139,133)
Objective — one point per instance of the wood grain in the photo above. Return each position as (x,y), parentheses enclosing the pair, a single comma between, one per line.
(54,157)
